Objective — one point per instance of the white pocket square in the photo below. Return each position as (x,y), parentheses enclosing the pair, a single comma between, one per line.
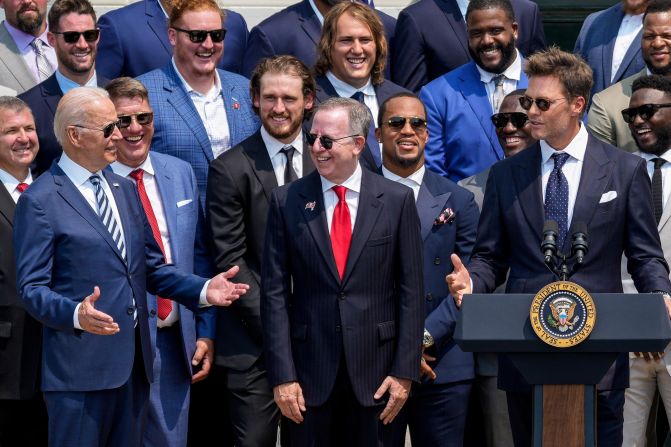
(181,203)
(608,196)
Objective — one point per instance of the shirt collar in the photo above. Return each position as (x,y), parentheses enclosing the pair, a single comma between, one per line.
(160,5)
(214,91)
(345,90)
(23,40)
(463,6)
(416,177)
(649,157)
(76,173)
(353,183)
(8,179)
(514,72)
(67,84)
(319,15)
(576,148)
(274,146)
(125,170)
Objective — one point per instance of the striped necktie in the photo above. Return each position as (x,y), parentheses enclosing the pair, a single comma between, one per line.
(106,215)
(44,68)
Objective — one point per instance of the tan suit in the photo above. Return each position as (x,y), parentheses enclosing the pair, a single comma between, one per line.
(14,72)
(604,119)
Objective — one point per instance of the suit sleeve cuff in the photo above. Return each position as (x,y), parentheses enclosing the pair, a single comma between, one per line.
(75,318)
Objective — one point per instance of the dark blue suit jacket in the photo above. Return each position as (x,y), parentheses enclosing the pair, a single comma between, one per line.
(134,40)
(43,100)
(296,31)
(373,317)
(595,44)
(511,226)
(62,252)
(431,39)
(462,138)
(440,241)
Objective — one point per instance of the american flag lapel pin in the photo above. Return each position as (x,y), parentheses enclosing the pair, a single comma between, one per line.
(236,104)
(310,206)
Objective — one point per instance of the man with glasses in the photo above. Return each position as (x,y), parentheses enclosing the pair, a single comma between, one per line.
(342,305)
(437,408)
(86,256)
(460,103)
(200,111)
(572,178)
(167,188)
(74,36)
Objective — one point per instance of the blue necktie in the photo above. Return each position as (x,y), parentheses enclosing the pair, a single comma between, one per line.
(106,215)
(371,139)
(556,197)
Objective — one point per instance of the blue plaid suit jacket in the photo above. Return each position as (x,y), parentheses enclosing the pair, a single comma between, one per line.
(179,130)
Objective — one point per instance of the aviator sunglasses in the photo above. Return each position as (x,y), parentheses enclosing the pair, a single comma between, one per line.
(646,111)
(518,119)
(90,35)
(543,104)
(143,119)
(398,122)
(107,131)
(199,35)
(326,142)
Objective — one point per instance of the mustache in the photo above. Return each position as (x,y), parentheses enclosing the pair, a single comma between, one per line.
(28,7)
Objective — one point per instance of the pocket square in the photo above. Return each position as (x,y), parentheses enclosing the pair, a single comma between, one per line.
(608,196)
(181,203)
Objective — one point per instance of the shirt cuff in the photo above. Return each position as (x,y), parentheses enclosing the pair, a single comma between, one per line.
(75,318)
(203,295)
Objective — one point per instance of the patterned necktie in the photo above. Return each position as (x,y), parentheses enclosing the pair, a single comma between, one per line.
(556,197)
(44,68)
(21,187)
(657,189)
(371,139)
(289,173)
(164,305)
(341,230)
(499,94)
(107,216)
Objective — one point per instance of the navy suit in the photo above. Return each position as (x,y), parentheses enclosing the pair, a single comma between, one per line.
(462,138)
(436,411)
(134,40)
(62,252)
(510,232)
(43,100)
(431,39)
(314,324)
(294,30)
(595,44)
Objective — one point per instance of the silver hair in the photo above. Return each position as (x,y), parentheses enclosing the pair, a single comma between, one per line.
(72,109)
(358,114)
(13,103)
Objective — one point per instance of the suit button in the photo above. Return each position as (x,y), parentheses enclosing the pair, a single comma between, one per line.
(338,328)
(429,297)
(152,313)
(342,295)
(436,261)
(130,310)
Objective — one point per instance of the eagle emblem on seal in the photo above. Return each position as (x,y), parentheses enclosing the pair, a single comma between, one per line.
(562,314)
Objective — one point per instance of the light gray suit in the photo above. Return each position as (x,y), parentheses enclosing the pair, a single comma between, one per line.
(605,120)
(13,70)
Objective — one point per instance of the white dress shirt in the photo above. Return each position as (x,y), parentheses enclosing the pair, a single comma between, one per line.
(212,112)
(278,159)
(23,41)
(511,75)
(666,172)
(571,169)
(344,90)
(11,183)
(353,185)
(413,181)
(319,15)
(629,29)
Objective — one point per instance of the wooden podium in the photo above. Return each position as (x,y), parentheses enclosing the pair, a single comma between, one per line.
(564,379)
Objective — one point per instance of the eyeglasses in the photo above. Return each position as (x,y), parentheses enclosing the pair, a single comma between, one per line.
(543,104)
(142,118)
(107,131)
(646,111)
(90,35)
(199,35)
(518,119)
(398,122)
(326,142)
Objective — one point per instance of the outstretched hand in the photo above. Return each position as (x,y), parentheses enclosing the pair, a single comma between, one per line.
(94,321)
(222,292)
(459,281)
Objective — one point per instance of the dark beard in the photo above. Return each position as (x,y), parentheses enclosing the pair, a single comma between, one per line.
(662,145)
(662,71)
(508,56)
(31,25)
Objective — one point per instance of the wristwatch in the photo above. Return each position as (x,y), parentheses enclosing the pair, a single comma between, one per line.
(427,340)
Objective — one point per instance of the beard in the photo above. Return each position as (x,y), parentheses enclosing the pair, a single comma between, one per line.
(507,56)
(660,146)
(664,70)
(278,133)
(29,25)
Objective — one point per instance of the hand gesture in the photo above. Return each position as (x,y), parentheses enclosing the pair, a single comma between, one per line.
(289,397)
(424,368)
(204,356)
(94,321)
(650,356)
(398,389)
(222,292)
(459,281)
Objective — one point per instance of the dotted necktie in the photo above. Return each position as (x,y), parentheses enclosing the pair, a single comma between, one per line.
(107,216)
(371,139)
(556,197)
(657,189)
(289,173)
(341,230)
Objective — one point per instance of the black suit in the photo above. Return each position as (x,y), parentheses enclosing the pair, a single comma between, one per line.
(23,417)
(43,100)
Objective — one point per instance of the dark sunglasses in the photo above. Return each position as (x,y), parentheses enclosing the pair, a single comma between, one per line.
(107,131)
(542,103)
(518,119)
(326,142)
(199,35)
(90,35)
(398,122)
(143,119)
(646,111)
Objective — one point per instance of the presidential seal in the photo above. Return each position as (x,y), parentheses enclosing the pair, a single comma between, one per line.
(562,314)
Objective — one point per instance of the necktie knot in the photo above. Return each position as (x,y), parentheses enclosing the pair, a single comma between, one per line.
(137,175)
(659,162)
(288,151)
(358,96)
(36,44)
(21,187)
(560,158)
(498,80)
(95,180)
(340,192)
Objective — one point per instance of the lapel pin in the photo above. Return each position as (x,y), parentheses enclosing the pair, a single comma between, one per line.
(116,185)
(236,104)
(310,206)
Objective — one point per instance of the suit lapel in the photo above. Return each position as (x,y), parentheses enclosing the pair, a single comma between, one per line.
(456,21)
(310,22)
(308,165)
(11,56)
(7,205)
(124,215)
(527,178)
(629,57)
(666,216)
(52,93)
(261,165)
(325,89)
(429,205)
(607,50)
(232,105)
(163,178)
(157,22)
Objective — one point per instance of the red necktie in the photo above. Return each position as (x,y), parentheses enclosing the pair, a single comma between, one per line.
(21,187)
(164,304)
(341,230)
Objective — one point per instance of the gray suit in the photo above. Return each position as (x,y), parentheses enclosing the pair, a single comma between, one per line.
(605,120)
(13,70)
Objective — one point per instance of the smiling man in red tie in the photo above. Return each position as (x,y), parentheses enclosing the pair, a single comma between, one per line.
(341,291)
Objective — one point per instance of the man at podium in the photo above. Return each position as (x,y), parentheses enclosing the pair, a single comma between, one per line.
(574,179)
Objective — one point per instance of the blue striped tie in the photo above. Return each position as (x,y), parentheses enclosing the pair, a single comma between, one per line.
(106,215)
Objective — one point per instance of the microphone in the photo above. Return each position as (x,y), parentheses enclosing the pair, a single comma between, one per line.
(579,245)
(549,244)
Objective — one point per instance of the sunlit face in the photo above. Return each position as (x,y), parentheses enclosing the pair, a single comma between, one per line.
(133,147)
(491,39)
(196,59)
(354,51)
(74,58)
(404,147)
(89,147)
(26,15)
(653,135)
(18,141)
(656,42)
(514,139)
